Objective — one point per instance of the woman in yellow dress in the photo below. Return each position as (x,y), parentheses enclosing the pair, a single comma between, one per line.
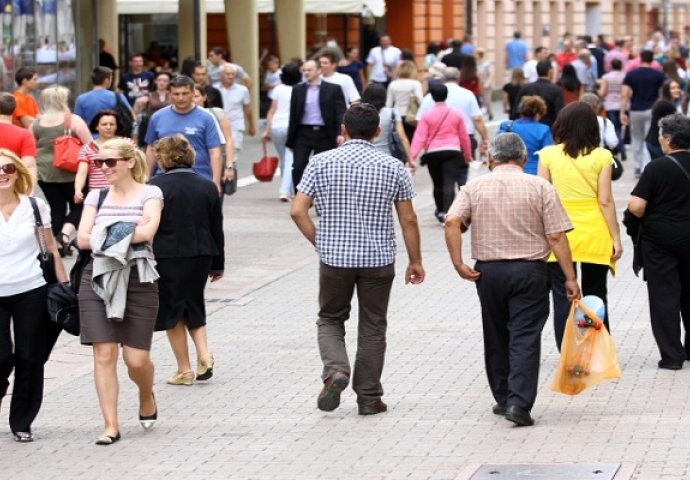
(581,173)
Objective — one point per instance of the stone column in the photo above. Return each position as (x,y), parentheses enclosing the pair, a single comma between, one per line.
(242,24)
(292,27)
(189,30)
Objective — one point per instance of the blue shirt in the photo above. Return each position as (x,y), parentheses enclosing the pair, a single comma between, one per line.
(355,187)
(197,125)
(536,136)
(516,52)
(312,109)
(645,83)
(90,103)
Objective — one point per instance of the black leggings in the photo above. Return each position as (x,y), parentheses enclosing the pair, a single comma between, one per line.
(60,196)
(593,282)
(27,314)
(444,167)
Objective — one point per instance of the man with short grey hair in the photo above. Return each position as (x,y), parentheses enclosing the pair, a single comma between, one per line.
(517,220)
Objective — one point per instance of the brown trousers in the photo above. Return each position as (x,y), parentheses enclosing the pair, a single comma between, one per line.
(336,286)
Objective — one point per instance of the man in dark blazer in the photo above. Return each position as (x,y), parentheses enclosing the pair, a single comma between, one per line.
(316,112)
(547,90)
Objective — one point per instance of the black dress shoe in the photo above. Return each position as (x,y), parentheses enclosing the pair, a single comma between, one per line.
(670,365)
(519,416)
(499,409)
(329,397)
(372,408)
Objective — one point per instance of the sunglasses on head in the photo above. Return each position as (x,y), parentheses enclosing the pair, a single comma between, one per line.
(109,162)
(9,168)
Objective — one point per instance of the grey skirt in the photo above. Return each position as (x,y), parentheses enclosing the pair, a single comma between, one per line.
(135,330)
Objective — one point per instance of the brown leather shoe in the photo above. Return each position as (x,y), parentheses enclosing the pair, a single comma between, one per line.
(329,398)
(372,408)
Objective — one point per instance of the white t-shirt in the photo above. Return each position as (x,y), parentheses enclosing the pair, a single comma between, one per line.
(346,84)
(529,69)
(376,58)
(459,99)
(234,100)
(282,94)
(19,248)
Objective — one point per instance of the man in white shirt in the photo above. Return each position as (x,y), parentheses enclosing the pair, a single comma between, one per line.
(464,102)
(530,67)
(328,64)
(382,61)
(215,64)
(237,106)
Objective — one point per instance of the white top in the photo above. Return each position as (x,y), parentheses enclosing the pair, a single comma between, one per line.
(283,94)
(391,57)
(529,69)
(346,84)
(459,99)
(399,92)
(234,100)
(19,249)
(607,133)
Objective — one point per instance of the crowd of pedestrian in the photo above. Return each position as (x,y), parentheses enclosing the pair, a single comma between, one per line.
(157,156)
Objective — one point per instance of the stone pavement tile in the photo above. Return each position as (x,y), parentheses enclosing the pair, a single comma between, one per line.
(257,417)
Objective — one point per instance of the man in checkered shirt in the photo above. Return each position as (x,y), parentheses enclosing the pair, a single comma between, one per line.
(355,187)
(517,220)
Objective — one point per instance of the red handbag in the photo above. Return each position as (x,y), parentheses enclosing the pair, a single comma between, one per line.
(66,149)
(265,169)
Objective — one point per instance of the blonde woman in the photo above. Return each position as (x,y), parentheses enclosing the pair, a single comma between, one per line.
(23,312)
(58,185)
(401,89)
(122,227)
(192,211)
(485,70)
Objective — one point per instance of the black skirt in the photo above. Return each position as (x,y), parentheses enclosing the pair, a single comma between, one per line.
(181,291)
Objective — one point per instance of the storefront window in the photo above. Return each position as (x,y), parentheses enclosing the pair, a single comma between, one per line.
(40,35)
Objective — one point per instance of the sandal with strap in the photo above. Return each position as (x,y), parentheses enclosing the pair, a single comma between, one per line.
(205,369)
(182,378)
(65,245)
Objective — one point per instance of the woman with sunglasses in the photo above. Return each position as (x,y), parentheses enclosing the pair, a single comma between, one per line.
(23,312)
(192,211)
(106,123)
(132,209)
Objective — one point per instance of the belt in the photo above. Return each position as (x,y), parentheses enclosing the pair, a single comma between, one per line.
(314,127)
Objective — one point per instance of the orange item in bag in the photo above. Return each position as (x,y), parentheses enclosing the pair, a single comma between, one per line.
(588,355)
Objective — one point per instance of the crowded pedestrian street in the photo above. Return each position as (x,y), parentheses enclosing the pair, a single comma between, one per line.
(257,417)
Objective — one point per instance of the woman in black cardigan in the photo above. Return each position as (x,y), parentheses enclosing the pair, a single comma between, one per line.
(189,249)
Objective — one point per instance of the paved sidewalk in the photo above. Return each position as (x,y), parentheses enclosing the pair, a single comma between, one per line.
(257,418)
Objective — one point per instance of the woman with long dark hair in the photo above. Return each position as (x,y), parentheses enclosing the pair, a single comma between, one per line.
(580,171)
(570,85)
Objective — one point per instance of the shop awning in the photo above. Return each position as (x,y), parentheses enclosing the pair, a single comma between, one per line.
(137,7)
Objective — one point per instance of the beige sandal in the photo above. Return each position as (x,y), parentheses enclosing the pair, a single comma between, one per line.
(182,378)
(205,369)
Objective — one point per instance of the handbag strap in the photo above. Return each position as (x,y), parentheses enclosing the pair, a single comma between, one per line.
(66,124)
(675,160)
(438,125)
(263,146)
(40,233)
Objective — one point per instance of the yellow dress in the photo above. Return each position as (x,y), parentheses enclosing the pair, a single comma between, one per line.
(590,240)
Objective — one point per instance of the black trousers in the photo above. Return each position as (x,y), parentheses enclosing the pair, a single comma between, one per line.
(668,283)
(27,314)
(444,167)
(462,173)
(308,140)
(514,297)
(60,196)
(336,286)
(592,281)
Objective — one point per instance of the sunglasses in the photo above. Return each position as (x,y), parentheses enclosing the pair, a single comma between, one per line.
(8,168)
(109,162)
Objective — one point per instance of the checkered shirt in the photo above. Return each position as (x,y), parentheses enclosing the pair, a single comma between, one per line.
(354,187)
(511,214)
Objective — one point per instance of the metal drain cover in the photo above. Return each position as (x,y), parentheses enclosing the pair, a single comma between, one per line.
(553,471)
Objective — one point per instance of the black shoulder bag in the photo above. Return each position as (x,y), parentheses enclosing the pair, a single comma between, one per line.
(394,143)
(124,117)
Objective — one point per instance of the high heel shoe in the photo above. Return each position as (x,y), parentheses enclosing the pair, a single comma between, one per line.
(148,421)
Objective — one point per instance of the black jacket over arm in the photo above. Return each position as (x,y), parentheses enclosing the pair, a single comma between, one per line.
(332,103)
(192,219)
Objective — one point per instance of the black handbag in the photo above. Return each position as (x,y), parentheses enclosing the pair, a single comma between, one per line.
(617,170)
(124,117)
(62,302)
(230,187)
(394,143)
